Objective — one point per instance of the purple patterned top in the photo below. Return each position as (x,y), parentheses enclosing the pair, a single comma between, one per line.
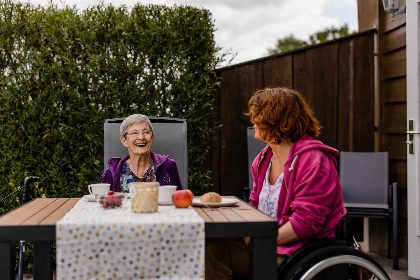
(127,176)
(165,168)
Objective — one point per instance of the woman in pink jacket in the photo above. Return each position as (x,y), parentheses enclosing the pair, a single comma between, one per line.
(295,181)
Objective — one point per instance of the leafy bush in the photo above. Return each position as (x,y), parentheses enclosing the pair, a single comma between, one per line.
(64,71)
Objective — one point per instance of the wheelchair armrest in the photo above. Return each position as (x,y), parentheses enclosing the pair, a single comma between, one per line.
(344,231)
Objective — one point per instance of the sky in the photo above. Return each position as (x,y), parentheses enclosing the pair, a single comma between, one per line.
(247,28)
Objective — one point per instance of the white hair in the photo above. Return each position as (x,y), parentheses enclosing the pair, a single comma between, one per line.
(132,119)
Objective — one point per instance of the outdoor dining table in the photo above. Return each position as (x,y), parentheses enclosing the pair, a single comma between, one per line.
(36,221)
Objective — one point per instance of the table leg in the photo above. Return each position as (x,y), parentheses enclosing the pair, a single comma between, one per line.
(264,258)
(7,260)
(43,260)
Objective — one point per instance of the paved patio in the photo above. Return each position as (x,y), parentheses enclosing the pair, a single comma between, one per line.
(401,274)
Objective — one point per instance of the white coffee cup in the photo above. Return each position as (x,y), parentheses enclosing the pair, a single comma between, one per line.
(165,194)
(99,189)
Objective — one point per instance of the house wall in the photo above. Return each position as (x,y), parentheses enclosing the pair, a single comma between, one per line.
(392,95)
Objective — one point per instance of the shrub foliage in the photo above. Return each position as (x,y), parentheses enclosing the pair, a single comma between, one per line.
(64,71)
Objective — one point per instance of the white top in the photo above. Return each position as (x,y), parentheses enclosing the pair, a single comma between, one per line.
(269,195)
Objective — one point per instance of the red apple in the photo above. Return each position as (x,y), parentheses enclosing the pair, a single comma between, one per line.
(182,199)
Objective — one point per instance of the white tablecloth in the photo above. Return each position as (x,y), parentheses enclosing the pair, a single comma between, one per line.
(97,243)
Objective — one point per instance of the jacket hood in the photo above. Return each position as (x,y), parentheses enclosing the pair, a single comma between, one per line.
(304,144)
(307,143)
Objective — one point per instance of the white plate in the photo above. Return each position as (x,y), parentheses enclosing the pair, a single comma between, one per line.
(225,202)
(89,197)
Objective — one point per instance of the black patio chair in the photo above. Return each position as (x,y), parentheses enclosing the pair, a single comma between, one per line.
(366,192)
(26,196)
(254,147)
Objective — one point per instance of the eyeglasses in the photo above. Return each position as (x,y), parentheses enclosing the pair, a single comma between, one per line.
(135,134)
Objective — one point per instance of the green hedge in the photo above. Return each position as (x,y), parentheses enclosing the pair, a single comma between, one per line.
(64,71)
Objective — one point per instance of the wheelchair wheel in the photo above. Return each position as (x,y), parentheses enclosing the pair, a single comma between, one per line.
(337,263)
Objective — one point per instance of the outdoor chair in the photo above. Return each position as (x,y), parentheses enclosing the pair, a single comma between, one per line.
(27,195)
(254,147)
(366,192)
(170,139)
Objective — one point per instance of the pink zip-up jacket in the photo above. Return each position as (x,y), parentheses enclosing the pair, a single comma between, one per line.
(310,196)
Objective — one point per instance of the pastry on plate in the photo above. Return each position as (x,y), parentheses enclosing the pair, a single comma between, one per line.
(211,197)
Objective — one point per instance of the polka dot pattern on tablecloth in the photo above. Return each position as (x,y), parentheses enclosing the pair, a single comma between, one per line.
(97,243)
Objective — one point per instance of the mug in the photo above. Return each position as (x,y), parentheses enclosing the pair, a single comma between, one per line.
(99,189)
(165,194)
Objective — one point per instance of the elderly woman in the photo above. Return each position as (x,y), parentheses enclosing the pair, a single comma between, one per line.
(141,164)
(295,182)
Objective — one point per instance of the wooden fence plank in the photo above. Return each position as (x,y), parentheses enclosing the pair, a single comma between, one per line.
(278,72)
(234,158)
(215,151)
(345,69)
(299,73)
(363,94)
(322,76)
(256,76)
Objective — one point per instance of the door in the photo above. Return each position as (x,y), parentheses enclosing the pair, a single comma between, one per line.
(413,124)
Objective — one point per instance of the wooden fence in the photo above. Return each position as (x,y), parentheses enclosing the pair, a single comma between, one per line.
(337,80)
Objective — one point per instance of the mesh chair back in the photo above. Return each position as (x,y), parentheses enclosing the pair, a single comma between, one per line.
(170,139)
(254,147)
(364,179)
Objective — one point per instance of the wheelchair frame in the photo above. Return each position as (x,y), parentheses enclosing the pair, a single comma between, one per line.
(331,259)
(322,259)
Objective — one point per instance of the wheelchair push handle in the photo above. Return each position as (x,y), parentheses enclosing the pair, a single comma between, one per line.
(26,183)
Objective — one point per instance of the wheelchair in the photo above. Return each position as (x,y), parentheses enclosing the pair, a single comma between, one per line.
(332,259)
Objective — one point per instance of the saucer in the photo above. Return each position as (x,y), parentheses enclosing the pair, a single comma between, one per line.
(90,197)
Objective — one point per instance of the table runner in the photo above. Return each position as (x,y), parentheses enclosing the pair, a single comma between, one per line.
(97,243)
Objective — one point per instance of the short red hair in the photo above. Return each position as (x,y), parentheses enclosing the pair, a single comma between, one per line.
(282,115)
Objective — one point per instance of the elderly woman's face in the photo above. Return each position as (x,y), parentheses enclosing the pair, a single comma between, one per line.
(138,139)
